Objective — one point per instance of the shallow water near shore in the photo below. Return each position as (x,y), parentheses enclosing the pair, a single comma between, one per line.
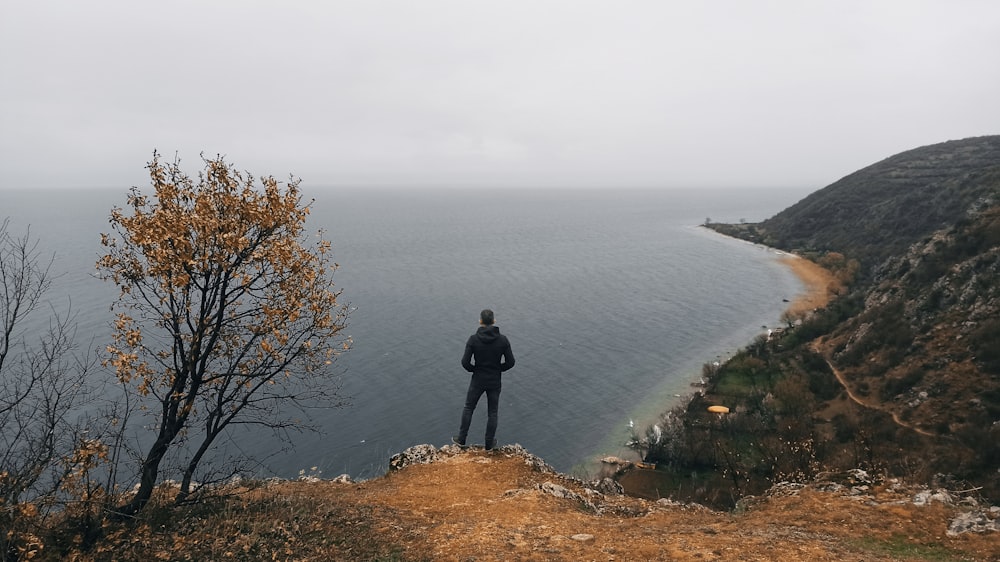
(612,299)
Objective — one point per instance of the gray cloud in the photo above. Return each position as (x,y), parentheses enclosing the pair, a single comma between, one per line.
(645,93)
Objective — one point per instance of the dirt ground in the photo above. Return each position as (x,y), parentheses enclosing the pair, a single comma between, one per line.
(478,505)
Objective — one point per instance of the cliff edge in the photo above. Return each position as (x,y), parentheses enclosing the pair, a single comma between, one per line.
(453,504)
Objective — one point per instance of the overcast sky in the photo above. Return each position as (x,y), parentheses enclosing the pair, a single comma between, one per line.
(500,93)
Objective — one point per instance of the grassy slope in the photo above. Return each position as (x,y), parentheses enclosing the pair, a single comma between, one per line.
(483,506)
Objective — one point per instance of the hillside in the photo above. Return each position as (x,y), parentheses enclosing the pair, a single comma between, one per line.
(900,372)
(447,504)
(927,343)
(880,210)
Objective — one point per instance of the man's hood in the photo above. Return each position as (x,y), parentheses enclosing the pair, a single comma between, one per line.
(488,334)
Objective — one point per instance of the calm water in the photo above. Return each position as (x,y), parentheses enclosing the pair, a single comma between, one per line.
(612,300)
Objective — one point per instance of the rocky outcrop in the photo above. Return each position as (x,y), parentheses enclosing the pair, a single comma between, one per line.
(426,454)
(974,517)
(860,485)
(975,521)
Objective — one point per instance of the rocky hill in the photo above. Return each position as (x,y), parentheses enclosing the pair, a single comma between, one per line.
(926,344)
(881,210)
(901,371)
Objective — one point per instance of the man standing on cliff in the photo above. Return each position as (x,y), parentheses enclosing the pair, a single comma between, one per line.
(487,355)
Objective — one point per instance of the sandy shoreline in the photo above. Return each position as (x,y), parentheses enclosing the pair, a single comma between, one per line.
(820,284)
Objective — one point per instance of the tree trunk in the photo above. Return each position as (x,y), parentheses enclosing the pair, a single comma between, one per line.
(185,490)
(147,482)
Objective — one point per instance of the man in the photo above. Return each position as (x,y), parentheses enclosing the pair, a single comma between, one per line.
(487,355)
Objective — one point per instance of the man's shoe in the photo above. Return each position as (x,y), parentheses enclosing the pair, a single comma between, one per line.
(458,442)
(491,445)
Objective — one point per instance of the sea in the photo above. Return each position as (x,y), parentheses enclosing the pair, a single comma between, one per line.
(613,300)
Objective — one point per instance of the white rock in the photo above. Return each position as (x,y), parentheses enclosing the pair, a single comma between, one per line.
(926,497)
(974,522)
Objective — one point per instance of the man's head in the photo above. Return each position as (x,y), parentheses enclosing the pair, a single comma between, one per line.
(486,317)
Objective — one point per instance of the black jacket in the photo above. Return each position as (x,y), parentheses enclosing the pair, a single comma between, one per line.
(484,351)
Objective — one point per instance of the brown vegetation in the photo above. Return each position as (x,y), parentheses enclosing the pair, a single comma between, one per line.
(227,311)
(482,506)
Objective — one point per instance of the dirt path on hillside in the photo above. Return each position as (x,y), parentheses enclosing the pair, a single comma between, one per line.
(815,346)
(820,286)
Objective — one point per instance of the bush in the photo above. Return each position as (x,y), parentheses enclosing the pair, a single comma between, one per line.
(794,396)
(985,344)
(897,385)
(844,428)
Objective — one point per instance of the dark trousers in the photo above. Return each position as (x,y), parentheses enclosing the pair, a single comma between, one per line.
(476,389)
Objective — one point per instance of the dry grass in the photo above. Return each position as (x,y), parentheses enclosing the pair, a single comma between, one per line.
(483,506)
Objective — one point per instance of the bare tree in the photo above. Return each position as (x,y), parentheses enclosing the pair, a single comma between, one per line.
(42,381)
(227,313)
